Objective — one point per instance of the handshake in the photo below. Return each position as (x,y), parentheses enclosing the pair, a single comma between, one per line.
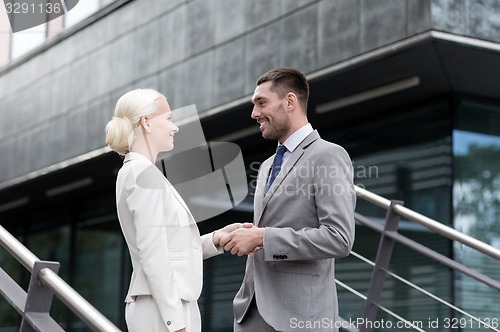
(240,239)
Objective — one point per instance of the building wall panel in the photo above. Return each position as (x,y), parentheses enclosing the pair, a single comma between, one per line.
(197,52)
(338,31)
(298,43)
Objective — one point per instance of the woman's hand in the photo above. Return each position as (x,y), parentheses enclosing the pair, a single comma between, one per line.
(220,233)
(244,241)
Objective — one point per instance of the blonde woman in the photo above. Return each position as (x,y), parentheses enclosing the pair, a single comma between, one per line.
(164,242)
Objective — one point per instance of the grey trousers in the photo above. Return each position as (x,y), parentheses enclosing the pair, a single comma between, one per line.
(253,321)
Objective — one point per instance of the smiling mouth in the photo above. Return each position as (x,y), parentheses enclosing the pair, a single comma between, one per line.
(263,123)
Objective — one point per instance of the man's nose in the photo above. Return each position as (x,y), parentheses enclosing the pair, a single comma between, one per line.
(255,113)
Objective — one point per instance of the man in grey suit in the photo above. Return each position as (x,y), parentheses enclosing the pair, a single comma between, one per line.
(303,214)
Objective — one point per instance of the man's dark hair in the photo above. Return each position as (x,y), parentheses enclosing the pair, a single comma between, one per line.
(287,80)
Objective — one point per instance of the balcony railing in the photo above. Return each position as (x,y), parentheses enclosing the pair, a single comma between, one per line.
(389,236)
(34,306)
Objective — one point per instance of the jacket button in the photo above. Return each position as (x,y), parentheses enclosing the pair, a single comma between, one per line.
(169,322)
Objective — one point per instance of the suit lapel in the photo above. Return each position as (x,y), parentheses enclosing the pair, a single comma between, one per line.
(135,156)
(287,168)
(179,198)
(261,188)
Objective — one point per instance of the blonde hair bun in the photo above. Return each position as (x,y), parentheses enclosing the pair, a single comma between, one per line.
(118,131)
(128,111)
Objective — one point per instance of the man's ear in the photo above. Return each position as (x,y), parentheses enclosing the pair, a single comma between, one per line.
(291,101)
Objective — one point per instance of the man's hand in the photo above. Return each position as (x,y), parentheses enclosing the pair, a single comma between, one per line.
(243,241)
(220,233)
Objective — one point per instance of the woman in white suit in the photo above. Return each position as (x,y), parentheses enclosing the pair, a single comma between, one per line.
(164,242)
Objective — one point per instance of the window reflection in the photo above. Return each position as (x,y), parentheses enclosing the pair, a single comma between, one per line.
(5,33)
(54,245)
(477,185)
(14,45)
(26,40)
(98,270)
(404,156)
(476,200)
(9,318)
(82,10)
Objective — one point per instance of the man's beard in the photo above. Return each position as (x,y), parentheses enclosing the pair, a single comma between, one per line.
(279,128)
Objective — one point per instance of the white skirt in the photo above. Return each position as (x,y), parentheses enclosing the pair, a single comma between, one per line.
(143,315)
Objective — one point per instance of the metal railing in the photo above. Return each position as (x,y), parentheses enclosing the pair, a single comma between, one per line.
(389,235)
(431,224)
(34,306)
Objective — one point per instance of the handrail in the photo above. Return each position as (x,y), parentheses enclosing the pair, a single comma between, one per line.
(98,322)
(432,224)
(17,250)
(75,302)
(81,307)
(420,248)
(389,236)
(412,285)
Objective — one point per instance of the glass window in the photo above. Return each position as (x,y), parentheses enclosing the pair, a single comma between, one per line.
(5,33)
(26,40)
(98,268)
(9,318)
(476,199)
(54,245)
(84,9)
(85,238)
(222,277)
(406,155)
(14,45)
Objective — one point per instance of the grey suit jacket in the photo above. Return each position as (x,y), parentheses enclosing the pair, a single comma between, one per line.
(308,213)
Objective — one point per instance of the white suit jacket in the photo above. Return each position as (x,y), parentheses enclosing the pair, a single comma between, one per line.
(164,242)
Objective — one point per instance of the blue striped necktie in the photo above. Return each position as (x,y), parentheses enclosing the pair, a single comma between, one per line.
(278,160)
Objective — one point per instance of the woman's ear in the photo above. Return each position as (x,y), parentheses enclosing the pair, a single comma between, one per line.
(145,123)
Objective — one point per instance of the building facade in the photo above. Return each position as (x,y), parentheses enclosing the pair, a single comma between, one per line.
(406,86)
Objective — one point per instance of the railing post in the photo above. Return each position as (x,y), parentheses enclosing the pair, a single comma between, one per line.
(44,283)
(382,260)
(38,302)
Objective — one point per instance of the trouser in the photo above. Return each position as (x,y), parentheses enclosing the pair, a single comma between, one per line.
(143,315)
(253,321)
